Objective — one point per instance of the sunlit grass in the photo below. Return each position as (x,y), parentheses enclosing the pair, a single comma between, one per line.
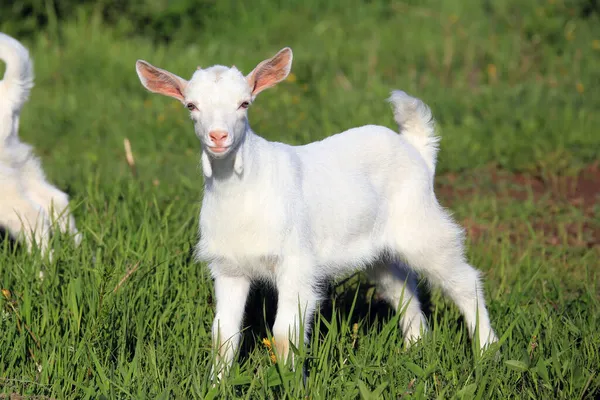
(128,314)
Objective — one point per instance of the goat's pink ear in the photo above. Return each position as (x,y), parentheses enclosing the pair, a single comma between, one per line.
(160,81)
(270,72)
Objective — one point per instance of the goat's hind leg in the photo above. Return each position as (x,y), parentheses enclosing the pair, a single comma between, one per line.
(433,246)
(397,284)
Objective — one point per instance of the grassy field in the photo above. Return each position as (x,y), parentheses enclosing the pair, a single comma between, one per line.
(514,87)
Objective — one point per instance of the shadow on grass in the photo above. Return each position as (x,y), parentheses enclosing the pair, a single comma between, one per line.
(341,299)
(7,240)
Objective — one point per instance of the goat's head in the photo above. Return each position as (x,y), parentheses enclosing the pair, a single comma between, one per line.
(218,97)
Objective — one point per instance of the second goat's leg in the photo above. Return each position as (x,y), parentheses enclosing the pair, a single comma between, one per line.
(23,218)
(54,201)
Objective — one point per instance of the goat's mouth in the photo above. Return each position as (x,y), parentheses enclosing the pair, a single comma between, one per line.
(218,150)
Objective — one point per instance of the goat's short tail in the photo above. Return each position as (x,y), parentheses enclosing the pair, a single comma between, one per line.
(18,78)
(416,125)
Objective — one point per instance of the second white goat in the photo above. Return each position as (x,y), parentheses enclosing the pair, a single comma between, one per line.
(29,204)
(296,215)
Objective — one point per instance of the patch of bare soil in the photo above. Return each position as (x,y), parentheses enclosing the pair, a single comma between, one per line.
(552,194)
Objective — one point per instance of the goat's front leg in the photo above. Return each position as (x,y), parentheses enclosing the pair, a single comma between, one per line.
(231,293)
(297,300)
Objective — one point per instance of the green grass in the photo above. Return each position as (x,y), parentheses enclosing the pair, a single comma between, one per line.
(512,85)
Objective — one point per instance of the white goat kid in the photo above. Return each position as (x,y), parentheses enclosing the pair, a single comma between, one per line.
(28,203)
(295,215)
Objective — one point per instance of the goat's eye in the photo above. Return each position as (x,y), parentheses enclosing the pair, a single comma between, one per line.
(191,106)
(245,104)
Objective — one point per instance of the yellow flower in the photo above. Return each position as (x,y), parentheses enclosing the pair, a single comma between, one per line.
(492,71)
(580,87)
(291,77)
(6,293)
(570,35)
(266,342)
(354,334)
(269,345)
(453,18)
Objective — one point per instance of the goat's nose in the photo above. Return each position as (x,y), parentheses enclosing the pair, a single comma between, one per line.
(218,136)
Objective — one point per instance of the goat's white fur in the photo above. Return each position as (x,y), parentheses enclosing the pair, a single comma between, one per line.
(296,215)
(28,203)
